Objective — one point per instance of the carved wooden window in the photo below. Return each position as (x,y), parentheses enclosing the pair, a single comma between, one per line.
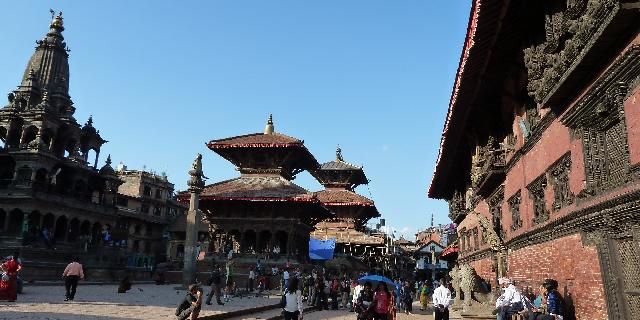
(536,193)
(495,207)
(514,207)
(457,205)
(598,119)
(559,174)
(463,239)
(476,244)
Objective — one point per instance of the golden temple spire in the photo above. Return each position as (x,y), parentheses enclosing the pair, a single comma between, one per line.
(269,129)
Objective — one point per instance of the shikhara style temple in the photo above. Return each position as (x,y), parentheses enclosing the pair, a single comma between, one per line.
(50,182)
(540,153)
(351,210)
(262,209)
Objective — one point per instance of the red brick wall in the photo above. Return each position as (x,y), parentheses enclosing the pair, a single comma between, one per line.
(574,265)
(484,270)
(632,115)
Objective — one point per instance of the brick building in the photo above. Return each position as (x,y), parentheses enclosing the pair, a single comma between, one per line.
(540,152)
(147,206)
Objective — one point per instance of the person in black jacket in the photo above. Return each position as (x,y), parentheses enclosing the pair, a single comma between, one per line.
(215,281)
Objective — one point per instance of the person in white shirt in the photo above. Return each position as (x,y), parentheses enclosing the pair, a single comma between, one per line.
(285,278)
(252,278)
(441,301)
(510,302)
(356,294)
(293,297)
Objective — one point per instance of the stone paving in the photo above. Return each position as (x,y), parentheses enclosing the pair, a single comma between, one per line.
(101,302)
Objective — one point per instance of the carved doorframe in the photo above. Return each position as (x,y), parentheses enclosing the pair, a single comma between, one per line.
(619,257)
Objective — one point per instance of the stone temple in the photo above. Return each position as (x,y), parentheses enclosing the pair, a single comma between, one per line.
(50,179)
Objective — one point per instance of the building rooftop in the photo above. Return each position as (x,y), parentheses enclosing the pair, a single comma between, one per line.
(257,187)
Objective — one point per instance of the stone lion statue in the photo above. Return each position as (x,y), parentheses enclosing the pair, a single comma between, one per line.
(477,296)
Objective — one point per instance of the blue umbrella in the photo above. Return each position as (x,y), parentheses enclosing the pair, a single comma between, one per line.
(374,279)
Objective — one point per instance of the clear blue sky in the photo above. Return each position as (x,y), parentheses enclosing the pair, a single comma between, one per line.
(161,78)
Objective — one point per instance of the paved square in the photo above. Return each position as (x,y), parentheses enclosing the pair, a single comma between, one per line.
(101,302)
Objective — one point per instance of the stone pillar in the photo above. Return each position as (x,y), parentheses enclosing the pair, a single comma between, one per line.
(196,184)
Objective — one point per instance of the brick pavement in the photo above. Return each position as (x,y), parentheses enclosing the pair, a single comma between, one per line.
(101,302)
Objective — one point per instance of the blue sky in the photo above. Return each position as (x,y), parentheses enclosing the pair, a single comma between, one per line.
(161,78)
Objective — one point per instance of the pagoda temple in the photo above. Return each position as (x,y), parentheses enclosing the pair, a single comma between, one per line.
(351,210)
(262,209)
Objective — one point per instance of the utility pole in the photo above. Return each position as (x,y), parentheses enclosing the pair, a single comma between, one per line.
(196,185)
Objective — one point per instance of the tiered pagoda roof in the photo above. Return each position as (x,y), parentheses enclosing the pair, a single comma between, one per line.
(266,153)
(254,188)
(340,178)
(267,162)
(352,211)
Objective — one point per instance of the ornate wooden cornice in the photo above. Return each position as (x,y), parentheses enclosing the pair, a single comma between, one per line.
(572,32)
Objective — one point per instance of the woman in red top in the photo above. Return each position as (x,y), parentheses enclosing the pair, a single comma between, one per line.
(381,302)
(9,285)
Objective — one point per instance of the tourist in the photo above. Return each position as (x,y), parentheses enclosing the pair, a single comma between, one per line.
(215,279)
(540,302)
(285,278)
(406,298)
(510,302)
(424,296)
(9,281)
(364,302)
(293,297)
(230,284)
(334,290)
(71,275)
(191,305)
(356,288)
(345,288)
(396,291)
(441,301)
(252,278)
(319,298)
(382,302)
(555,303)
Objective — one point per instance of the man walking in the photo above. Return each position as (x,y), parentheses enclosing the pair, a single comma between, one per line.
(441,301)
(215,279)
(72,273)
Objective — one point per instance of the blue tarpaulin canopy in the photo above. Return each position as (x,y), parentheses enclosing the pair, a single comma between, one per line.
(321,249)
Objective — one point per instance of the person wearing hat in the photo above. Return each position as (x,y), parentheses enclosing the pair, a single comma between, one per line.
(510,302)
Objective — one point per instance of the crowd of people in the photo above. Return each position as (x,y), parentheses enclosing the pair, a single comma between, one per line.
(327,291)
(544,304)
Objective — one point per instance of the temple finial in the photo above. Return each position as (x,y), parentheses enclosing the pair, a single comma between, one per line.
(56,21)
(109,160)
(90,121)
(269,128)
(339,154)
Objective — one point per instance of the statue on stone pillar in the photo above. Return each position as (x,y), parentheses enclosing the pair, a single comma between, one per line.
(196,185)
